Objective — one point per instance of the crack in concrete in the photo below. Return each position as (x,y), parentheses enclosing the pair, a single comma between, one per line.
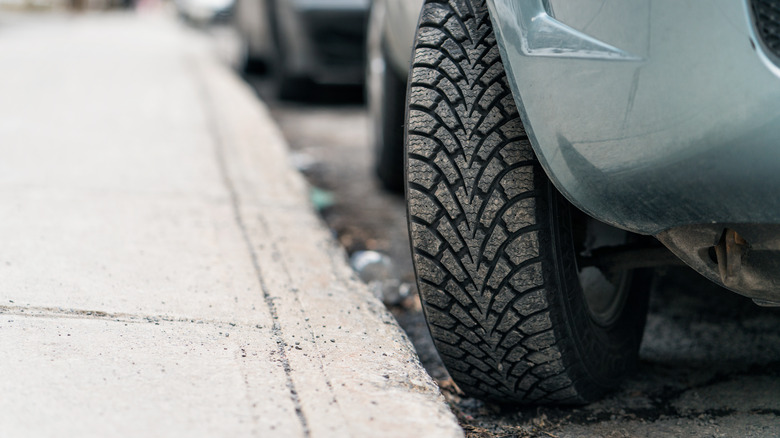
(69,313)
(219,150)
(307,325)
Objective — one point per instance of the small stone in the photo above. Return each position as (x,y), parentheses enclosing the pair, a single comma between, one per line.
(372,266)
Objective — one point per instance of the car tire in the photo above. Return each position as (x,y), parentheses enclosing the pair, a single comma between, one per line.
(495,246)
(386,91)
(286,84)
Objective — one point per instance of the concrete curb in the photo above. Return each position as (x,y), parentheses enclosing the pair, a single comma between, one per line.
(354,369)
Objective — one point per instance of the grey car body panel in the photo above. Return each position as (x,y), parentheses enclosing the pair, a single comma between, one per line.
(398,29)
(648,115)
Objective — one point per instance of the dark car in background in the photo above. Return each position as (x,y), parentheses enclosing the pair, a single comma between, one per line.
(305,42)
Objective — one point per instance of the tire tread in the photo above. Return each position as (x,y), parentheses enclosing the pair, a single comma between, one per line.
(471,173)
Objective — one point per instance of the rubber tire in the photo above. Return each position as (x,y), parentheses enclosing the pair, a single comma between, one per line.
(492,239)
(387,111)
(286,85)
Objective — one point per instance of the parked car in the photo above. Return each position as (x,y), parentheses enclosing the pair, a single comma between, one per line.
(391,29)
(547,140)
(251,20)
(203,12)
(306,41)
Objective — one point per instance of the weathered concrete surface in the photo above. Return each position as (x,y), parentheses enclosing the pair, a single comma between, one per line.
(161,270)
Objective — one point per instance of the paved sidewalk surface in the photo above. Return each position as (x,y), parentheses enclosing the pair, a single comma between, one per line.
(161,270)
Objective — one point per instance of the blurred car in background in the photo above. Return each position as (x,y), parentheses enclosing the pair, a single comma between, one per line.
(305,42)
(391,29)
(205,11)
(252,23)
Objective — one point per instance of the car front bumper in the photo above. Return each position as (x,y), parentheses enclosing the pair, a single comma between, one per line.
(678,125)
(661,118)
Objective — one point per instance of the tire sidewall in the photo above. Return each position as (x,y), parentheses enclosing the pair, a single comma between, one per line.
(606,353)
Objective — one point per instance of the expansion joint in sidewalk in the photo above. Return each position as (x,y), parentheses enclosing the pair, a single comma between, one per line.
(69,313)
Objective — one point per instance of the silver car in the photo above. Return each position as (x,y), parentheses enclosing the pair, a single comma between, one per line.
(552,144)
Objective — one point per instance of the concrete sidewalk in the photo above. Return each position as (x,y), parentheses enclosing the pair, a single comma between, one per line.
(161,270)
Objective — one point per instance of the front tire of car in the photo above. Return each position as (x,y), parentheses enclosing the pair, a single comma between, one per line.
(496,248)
